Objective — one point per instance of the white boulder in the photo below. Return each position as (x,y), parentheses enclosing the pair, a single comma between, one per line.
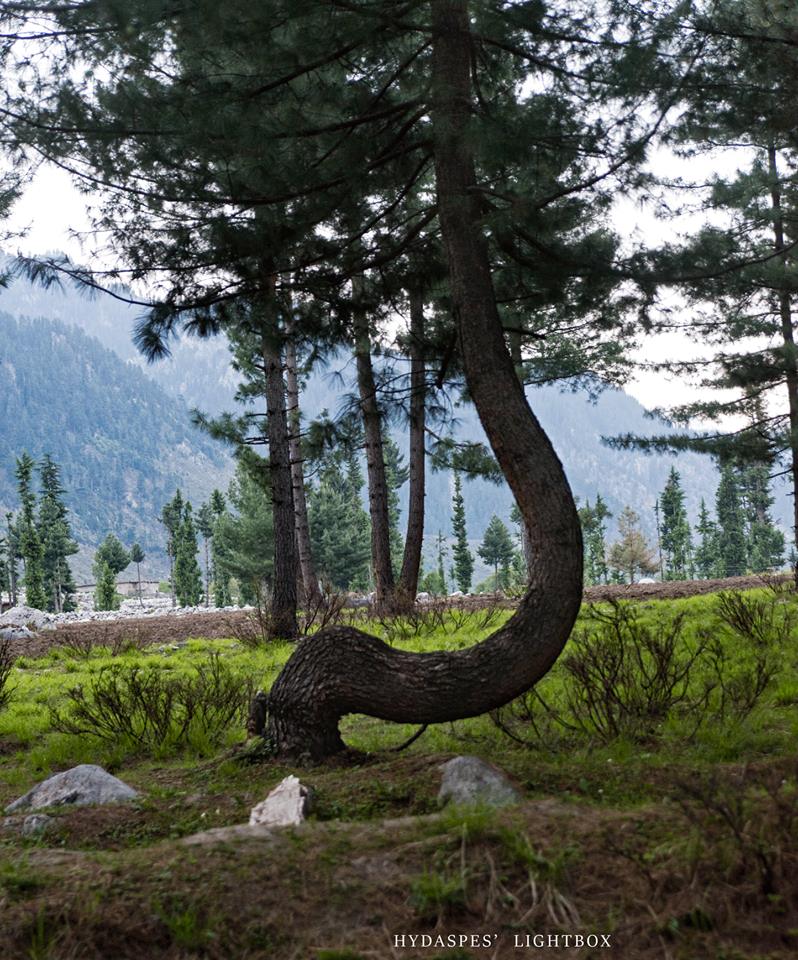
(286,806)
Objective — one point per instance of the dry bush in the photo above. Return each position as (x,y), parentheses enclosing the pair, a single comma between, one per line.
(81,642)
(7,659)
(154,710)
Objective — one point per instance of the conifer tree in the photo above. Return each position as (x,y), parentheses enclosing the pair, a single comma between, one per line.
(339,526)
(731,523)
(105,595)
(497,549)
(631,554)
(764,541)
(30,545)
(138,557)
(204,524)
(56,538)
(111,552)
(12,555)
(171,517)
(396,474)
(675,530)
(220,574)
(188,578)
(594,533)
(707,554)
(463,559)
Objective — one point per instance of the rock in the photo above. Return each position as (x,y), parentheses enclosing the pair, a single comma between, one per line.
(81,785)
(423,598)
(35,824)
(471,780)
(286,806)
(24,617)
(15,633)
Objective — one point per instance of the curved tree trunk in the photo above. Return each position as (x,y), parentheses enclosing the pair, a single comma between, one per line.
(340,671)
(375,458)
(310,582)
(414,540)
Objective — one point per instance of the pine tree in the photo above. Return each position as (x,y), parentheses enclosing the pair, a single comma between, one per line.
(731,524)
(105,595)
(221,576)
(30,545)
(631,554)
(461,555)
(171,517)
(243,537)
(707,554)
(396,474)
(13,554)
(594,538)
(497,549)
(339,526)
(675,530)
(764,541)
(205,520)
(55,535)
(138,557)
(188,578)
(112,553)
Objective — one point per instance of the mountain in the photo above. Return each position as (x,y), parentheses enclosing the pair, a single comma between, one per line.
(122,442)
(199,374)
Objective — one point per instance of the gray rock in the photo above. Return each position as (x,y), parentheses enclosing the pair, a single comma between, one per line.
(35,824)
(24,617)
(471,780)
(81,785)
(15,633)
(286,806)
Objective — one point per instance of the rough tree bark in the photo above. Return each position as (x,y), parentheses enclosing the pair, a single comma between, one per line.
(310,582)
(788,336)
(284,595)
(341,670)
(375,459)
(414,540)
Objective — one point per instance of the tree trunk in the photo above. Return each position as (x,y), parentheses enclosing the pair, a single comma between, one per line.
(375,459)
(788,336)
(414,540)
(310,582)
(341,670)
(284,599)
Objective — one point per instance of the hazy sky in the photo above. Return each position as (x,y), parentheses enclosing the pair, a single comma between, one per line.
(51,210)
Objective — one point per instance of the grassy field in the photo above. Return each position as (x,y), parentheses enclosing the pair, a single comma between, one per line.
(658,762)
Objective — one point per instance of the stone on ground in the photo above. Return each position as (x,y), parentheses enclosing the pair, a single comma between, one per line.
(81,785)
(286,806)
(24,617)
(471,780)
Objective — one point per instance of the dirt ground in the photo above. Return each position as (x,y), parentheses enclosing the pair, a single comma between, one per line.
(146,631)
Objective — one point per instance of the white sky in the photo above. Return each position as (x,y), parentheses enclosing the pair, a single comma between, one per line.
(52,213)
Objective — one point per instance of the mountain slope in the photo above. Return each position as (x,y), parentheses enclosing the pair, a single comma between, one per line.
(123,444)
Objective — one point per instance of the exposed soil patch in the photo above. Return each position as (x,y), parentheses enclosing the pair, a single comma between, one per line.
(676,589)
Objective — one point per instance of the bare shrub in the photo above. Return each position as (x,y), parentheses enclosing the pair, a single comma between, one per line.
(626,677)
(325,610)
(81,642)
(761,620)
(154,710)
(7,659)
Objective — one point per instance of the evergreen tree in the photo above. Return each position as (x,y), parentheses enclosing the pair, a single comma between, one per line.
(764,541)
(188,578)
(221,576)
(461,555)
(105,595)
(138,557)
(731,524)
(205,519)
(111,553)
(396,474)
(675,530)
(497,549)
(171,517)
(631,554)
(339,526)
(707,554)
(594,538)
(30,545)
(55,535)
(243,538)
(12,555)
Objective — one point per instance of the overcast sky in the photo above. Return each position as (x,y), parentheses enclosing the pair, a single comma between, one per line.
(51,210)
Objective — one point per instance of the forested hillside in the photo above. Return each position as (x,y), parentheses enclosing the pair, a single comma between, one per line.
(122,442)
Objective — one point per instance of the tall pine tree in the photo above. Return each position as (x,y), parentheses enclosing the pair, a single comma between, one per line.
(675,534)
(461,555)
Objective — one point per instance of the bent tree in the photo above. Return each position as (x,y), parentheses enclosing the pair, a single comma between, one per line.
(342,670)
